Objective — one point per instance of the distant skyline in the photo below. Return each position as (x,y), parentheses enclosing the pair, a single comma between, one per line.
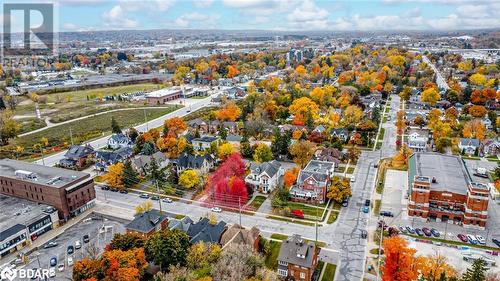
(277,15)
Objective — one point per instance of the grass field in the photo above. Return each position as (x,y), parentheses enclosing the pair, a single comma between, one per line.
(278,236)
(101,92)
(83,130)
(329,273)
(272,256)
(307,209)
(30,124)
(297,221)
(257,201)
(332,217)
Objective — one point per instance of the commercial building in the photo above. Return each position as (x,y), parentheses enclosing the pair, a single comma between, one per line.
(23,221)
(70,192)
(441,189)
(163,96)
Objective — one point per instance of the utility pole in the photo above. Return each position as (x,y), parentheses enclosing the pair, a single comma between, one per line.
(380,238)
(239,207)
(71,135)
(316,222)
(158,191)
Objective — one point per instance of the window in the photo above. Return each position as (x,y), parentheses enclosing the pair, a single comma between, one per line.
(302,275)
(282,272)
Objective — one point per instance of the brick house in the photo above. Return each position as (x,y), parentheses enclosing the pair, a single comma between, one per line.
(313,182)
(297,259)
(147,223)
(236,234)
(77,157)
(441,189)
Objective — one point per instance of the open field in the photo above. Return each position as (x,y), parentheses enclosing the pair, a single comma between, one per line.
(82,130)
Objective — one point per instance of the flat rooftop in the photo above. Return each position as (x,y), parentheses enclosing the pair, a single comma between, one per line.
(163,92)
(448,170)
(19,211)
(45,175)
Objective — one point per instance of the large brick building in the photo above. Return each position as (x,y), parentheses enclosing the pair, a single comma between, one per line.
(297,259)
(441,189)
(70,192)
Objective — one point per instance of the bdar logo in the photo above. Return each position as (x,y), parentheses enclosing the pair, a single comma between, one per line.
(8,274)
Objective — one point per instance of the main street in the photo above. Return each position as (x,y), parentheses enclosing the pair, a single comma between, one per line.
(351,221)
(441,82)
(155,123)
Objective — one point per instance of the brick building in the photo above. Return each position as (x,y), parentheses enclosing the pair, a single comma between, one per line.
(441,189)
(297,259)
(70,192)
(164,95)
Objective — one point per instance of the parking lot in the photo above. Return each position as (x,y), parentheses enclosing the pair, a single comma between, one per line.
(395,201)
(100,231)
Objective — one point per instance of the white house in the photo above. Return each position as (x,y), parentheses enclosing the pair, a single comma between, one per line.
(203,143)
(468,145)
(265,176)
(117,141)
(417,139)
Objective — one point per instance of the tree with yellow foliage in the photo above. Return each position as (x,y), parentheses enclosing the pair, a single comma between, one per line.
(225,150)
(304,106)
(432,267)
(339,190)
(114,176)
(352,115)
(474,128)
(189,179)
(143,207)
(301,70)
(431,96)
(400,160)
(477,79)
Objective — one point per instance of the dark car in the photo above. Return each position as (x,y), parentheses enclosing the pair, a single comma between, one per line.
(427,231)
(154,197)
(104,187)
(496,241)
(386,214)
(364,234)
(53,261)
(114,189)
(367,202)
(435,232)
(123,191)
(70,250)
(419,232)
(86,238)
(410,229)
(462,237)
(345,202)
(51,244)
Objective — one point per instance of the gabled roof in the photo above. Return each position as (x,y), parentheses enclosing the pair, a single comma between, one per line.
(120,138)
(76,152)
(317,170)
(206,232)
(189,161)
(235,138)
(270,168)
(238,235)
(196,122)
(295,250)
(114,156)
(338,132)
(182,224)
(142,161)
(469,142)
(207,139)
(147,221)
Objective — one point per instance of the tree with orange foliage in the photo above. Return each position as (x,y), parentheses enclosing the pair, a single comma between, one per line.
(174,126)
(301,70)
(229,112)
(298,120)
(124,265)
(474,128)
(432,267)
(172,146)
(400,263)
(232,71)
(401,158)
(290,177)
(477,111)
(86,269)
(400,121)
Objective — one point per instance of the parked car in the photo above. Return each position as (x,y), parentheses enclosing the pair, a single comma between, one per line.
(345,202)
(365,209)
(496,241)
(60,267)
(410,229)
(78,244)
(167,200)
(367,202)
(216,210)
(123,191)
(51,244)
(144,196)
(155,198)
(375,165)
(419,232)
(86,238)
(104,187)
(364,234)
(114,189)
(403,230)
(53,261)
(70,261)
(472,239)
(427,232)
(462,237)
(353,179)
(435,232)
(481,239)
(386,214)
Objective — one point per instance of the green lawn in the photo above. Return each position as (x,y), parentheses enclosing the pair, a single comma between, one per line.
(307,209)
(101,92)
(278,236)
(332,217)
(350,170)
(30,124)
(82,130)
(376,208)
(257,201)
(329,273)
(297,221)
(272,256)
(382,134)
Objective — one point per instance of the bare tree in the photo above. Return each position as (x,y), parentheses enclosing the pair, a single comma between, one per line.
(237,263)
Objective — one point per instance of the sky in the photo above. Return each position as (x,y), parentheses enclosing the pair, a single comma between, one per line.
(280,15)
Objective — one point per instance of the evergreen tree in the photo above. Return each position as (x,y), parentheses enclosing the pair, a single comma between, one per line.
(115,128)
(223,133)
(155,173)
(148,149)
(2,103)
(477,272)
(129,175)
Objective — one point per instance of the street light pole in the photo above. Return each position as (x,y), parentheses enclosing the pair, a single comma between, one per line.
(158,191)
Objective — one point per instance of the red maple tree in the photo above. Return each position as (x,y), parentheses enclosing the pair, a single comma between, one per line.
(227,184)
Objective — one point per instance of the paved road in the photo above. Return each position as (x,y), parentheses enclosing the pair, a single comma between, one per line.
(441,82)
(352,220)
(101,142)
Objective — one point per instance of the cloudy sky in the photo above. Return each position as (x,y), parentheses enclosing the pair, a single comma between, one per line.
(78,15)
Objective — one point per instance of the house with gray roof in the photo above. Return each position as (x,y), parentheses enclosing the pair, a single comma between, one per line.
(469,145)
(180,224)
(234,140)
(141,163)
(490,147)
(204,142)
(204,231)
(297,258)
(313,182)
(200,163)
(77,157)
(104,158)
(264,176)
(117,141)
(147,223)
(342,134)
